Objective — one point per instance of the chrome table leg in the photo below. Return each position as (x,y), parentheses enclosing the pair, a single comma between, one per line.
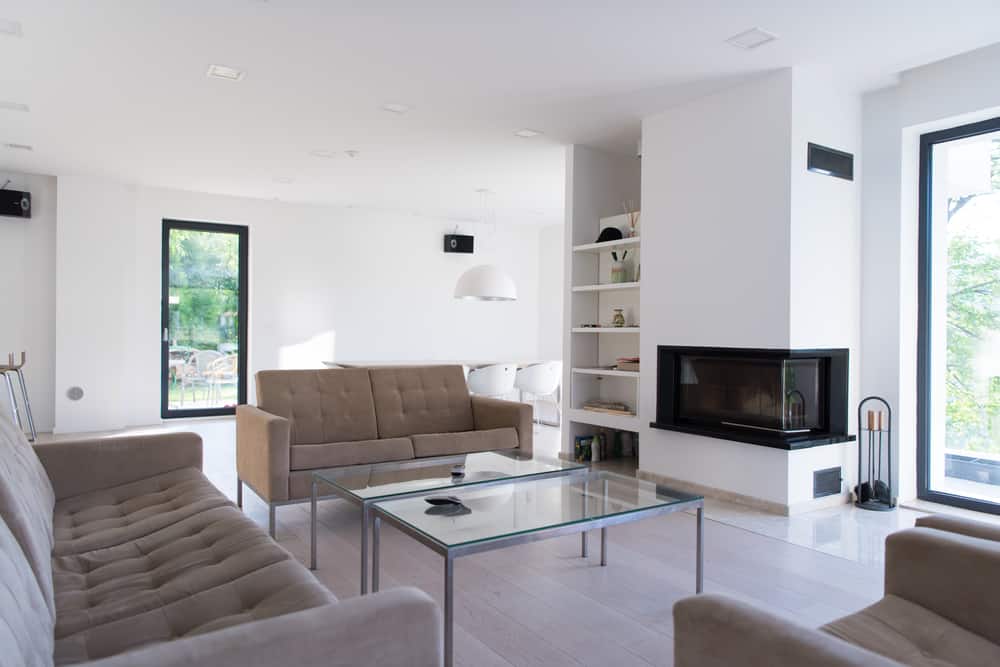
(26,404)
(376,525)
(364,548)
(312,527)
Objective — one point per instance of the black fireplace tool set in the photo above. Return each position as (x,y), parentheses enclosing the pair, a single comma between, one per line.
(874,490)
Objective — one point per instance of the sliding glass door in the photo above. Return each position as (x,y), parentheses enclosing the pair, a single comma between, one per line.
(959,322)
(204,319)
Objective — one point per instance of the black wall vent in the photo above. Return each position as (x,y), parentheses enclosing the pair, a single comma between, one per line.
(831,162)
(826,482)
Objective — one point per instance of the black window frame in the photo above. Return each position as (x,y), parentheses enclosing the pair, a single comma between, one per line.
(924,315)
(243,234)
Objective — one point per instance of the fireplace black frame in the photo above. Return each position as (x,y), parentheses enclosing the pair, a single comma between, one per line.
(836,363)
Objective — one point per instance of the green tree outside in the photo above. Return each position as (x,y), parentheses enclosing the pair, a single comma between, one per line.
(972,408)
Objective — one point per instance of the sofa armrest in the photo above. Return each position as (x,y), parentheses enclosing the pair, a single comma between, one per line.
(960,526)
(262,452)
(398,627)
(79,466)
(955,576)
(490,413)
(716,631)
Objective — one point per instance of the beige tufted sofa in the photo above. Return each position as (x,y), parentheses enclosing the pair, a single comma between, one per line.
(118,552)
(312,419)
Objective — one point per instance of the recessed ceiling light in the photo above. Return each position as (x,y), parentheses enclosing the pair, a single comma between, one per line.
(14,106)
(484,191)
(323,154)
(284,180)
(751,39)
(526,133)
(225,72)
(393,107)
(351,153)
(10,28)
(19,147)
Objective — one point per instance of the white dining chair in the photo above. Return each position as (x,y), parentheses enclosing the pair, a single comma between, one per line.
(541,381)
(496,381)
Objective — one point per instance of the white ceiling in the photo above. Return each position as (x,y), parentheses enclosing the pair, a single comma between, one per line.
(119,88)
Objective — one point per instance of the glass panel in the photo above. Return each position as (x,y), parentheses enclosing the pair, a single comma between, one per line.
(777,394)
(203,328)
(381,480)
(964,244)
(528,506)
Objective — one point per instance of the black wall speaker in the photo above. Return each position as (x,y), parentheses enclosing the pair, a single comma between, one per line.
(458,243)
(831,162)
(15,204)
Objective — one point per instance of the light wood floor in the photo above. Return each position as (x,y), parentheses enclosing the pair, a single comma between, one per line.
(541,604)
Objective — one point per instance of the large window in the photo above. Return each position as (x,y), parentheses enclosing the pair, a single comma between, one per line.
(204,312)
(959,328)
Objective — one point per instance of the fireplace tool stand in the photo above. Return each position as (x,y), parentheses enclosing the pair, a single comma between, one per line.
(17,370)
(874,489)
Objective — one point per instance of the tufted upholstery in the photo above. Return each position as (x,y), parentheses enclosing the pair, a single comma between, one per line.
(162,570)
(330,405)
(330,455)
(208,571)
(443,444)
(25,617)
(110,517)
(421,399)
(414,411)
(26,503)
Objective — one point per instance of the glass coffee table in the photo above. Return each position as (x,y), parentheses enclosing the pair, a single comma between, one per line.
(365,485)
(514,513)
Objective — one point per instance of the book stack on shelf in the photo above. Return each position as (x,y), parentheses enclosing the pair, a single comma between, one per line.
(627,364)
(609,407)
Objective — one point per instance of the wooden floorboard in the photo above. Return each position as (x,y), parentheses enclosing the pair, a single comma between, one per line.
(541,604)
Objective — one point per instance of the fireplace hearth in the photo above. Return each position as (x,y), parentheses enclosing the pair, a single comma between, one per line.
(788,399)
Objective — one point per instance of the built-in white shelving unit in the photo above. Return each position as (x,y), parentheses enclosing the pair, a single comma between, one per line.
(597,185)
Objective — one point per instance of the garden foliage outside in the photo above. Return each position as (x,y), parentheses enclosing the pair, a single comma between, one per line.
(973,385)
(204,289)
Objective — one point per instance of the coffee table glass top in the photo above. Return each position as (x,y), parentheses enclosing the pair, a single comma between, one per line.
(384,480)
(492,512)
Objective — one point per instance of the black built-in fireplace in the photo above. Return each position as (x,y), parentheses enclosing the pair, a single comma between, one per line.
(789,399)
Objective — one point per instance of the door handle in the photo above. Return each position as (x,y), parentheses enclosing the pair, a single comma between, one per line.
(166,335)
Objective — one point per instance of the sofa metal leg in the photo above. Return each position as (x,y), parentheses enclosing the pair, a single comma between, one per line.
(239,493)
(270,520)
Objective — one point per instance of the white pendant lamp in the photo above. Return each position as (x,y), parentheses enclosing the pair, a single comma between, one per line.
(486,282)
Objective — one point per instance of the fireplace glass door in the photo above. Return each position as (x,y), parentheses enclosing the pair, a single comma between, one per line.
(777,395)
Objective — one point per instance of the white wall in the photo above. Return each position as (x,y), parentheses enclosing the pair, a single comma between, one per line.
(951,92)
(324,283)
(715,238)
(754,254)
(27,293)
(550,292)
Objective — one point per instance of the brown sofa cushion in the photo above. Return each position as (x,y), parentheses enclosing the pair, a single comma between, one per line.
(443,444)
(25,618)
(308,457)
(26,502)
(109,517)
(329,405)
(913,635)
(421,399)
(125,576)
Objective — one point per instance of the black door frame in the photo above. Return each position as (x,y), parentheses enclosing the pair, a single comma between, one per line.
(242,232)
(925,268)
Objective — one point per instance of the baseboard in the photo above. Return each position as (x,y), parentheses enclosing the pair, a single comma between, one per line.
(712,492)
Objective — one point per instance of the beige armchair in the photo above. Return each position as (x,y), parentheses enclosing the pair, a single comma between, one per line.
(941,605)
